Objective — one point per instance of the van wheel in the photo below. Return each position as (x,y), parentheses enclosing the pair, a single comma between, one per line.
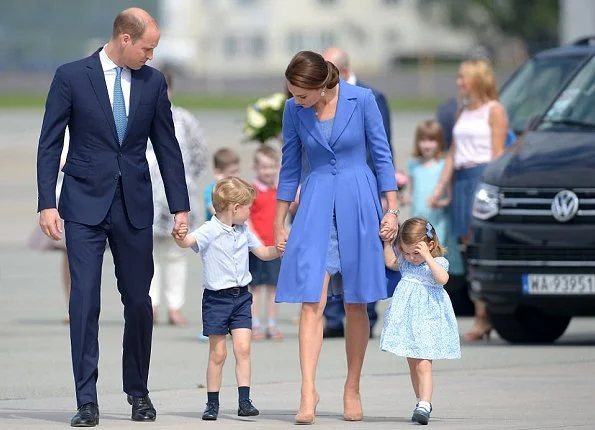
(529,325)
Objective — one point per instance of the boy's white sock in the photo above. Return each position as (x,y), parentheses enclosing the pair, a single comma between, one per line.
(424,405)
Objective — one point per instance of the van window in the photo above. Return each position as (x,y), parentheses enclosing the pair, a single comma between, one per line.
(532,89)
(574,106)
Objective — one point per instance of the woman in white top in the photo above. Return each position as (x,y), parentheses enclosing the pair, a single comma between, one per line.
(479,136)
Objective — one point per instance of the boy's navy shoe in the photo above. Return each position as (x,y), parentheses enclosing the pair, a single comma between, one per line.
(247,409)
(211,411)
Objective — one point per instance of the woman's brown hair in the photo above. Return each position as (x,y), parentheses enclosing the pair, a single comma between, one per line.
(309,70)
(417,229)
(429,130)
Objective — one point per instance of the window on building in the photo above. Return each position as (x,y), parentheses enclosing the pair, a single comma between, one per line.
(257,46)
(327,38)
(295,41)
(230,46)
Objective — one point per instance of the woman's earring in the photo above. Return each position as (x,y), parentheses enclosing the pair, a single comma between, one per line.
(322,93)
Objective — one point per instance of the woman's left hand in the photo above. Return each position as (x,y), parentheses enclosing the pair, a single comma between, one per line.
(389,227)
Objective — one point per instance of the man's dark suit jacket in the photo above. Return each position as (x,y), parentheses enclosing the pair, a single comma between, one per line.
(384,110)
(78,98)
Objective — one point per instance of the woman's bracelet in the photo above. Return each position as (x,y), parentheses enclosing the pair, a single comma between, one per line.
(395,212)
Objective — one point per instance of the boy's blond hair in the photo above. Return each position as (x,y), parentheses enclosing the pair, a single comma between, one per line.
(231,191)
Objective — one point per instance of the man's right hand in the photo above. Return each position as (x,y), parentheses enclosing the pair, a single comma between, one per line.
(50,223)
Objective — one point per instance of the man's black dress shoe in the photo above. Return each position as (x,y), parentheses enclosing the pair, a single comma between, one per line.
(142,408)
(211,411)
(86,416)
(247,409)
(330,332)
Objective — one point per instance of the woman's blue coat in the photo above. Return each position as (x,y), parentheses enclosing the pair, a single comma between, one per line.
(339,180)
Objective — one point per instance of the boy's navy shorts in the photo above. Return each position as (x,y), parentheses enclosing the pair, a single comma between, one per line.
(225,310)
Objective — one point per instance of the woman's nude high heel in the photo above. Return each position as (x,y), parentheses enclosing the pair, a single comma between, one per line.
(358,415)
(303,418)
(478,332)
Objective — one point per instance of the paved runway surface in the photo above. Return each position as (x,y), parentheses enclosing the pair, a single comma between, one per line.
(494,385)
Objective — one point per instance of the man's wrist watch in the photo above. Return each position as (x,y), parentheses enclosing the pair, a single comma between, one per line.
(395,212)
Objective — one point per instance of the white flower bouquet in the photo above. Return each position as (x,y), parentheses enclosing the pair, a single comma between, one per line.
(264,118)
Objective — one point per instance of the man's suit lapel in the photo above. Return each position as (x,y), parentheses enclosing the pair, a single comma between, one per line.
(308,119)
(136,90)
(345,107)
(97,78)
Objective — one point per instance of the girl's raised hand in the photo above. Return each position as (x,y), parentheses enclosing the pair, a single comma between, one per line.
(422,249)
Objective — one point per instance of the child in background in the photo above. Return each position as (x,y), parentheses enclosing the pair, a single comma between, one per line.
(226,163)
(262,217)
(224,243)
(424,173)
(420,323)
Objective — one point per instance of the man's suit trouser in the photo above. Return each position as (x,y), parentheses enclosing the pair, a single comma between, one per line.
(132,250)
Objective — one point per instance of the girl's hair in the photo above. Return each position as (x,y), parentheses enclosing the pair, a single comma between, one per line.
(480,71)
(416,229)
(309,70)
(429,130)
(231,191)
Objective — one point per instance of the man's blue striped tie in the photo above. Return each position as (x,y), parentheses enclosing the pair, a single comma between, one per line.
(119,106)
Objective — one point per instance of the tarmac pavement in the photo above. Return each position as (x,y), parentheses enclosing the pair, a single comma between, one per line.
(493,386)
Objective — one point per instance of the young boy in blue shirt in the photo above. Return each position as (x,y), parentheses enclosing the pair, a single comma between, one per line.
(224,243)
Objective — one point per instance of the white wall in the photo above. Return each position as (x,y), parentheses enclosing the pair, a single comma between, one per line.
(577,19)
(223,37)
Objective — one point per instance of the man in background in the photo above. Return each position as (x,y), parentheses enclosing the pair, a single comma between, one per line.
(334,311)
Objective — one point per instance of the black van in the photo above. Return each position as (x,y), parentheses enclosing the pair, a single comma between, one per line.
(532,257)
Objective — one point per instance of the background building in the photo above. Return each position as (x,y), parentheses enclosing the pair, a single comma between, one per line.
(229,38)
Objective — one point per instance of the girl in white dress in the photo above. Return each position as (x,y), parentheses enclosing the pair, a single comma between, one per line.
(420,323)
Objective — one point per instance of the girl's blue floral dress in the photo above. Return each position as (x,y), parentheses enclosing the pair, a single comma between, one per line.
(420,322)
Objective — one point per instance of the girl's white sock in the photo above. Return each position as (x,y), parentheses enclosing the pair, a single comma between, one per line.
(255,322)
(424,405)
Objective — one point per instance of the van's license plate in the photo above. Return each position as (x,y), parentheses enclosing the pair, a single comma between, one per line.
(558,284)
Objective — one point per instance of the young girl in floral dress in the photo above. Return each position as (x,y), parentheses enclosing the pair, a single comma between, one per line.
(420,323)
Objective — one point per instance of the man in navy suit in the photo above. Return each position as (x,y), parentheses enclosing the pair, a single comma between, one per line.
(334,312)
(112,103)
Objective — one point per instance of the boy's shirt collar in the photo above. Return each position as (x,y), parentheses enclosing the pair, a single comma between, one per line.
(224,226)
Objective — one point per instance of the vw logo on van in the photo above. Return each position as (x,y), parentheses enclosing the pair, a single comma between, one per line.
(564,205)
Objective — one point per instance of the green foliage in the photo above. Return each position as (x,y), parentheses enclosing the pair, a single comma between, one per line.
(535,21)
(264,118)
(25,100)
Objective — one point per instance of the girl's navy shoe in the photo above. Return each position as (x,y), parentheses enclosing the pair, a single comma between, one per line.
(420,415)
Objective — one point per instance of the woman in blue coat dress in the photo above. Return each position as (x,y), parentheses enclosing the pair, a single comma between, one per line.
(335,235)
